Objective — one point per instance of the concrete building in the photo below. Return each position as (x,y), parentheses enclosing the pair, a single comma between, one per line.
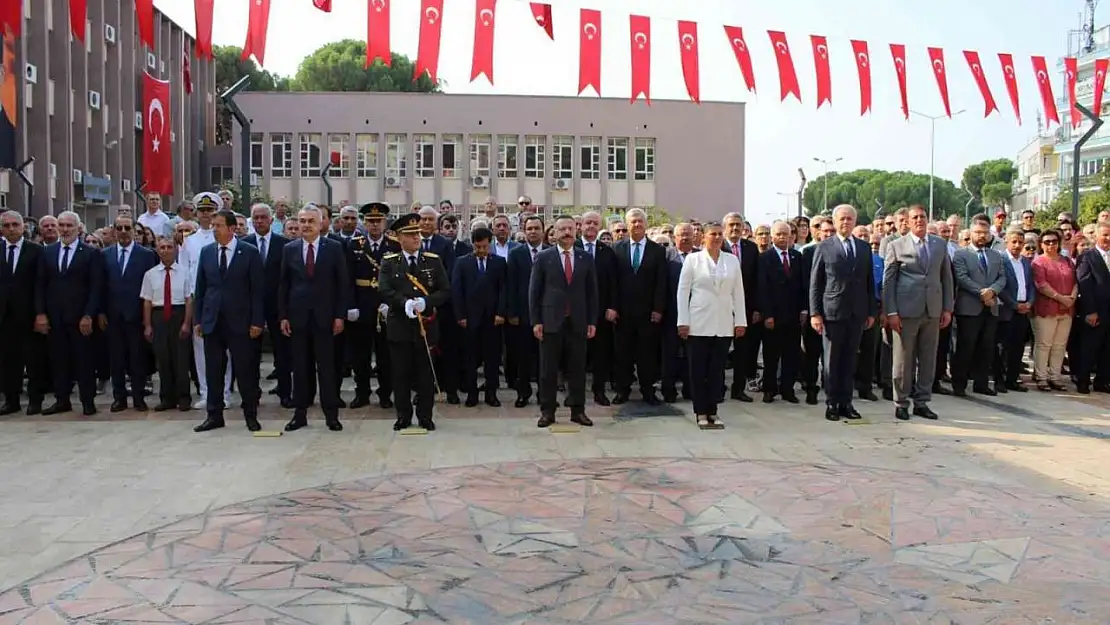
(1037,182)
(1095,154)
(79,114)
(564,153)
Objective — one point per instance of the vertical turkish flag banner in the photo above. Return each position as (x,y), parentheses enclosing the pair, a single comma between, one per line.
(157,151)
(1009,74)
(735,36)
(431,27)
(639,28)
(589,50)
(1044,83)
(940,71)
(1101,66)
(981,80)
(542,13)
(187,72)
(323,5)
(377,33)
(688,50)
(788,77)
(11,17)
(77,18)
(257,24)
(863,69)
(1071,69)
(203,10)
(144,15)
(821,64)
(898,51)
(484,21)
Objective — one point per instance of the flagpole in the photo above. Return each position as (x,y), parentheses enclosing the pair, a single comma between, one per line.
(244,138)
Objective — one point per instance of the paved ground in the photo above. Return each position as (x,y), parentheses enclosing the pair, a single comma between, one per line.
(998,513)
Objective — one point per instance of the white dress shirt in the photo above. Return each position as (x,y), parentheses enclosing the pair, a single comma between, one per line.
(563,256)
(231,245)
(590,247)
(126,251)
(158,222)
(1019,271)
(154,285)
(711,294)
(735,248)
(642,243)
(264,244)
(18,250)
(501,250)
(315,245)
(72,247)
(189,255)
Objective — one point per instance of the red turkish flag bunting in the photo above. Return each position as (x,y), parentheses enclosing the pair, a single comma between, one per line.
(187,72)
(788,77)
(431,28)
(144,15)
(485,12)
(542,13)
(377,33)
(589,50)
(735,36)
(981,80)
(203,11)
(1101,66)
(323,5)
(898,51)
(257,25)
(1071,69)
(11,17)
(863,68)
(1044,83)
(1009,74)
(821,64)
(157,151)
(77,17)
(640,40)
(940,71)
(688,50)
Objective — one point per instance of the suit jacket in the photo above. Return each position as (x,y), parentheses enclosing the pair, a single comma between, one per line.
(551,299)
(236,295)
(313,302)
(675,259)
(711,295)
(271,270)
(749,260)
(462,248)
(479,297)
(17,292)
(1093,280)
(363,266)
(781,296)
(637,294)
(444,249)
(121,290)
(67,297)
(911,289)
(1009,294)
(970,280)
(517,277)
(842,288)
(605,263)
(395,284)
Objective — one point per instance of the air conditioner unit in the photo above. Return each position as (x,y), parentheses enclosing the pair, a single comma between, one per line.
(94,100)
(53,170)
(108,177)
(126,185)
(78,176)
(393,182)
(138,120)
(561,184)
(173,136)
(109,33)
(32,74)
(479,182)
(151,61)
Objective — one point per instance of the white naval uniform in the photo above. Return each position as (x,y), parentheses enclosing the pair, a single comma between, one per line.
(189,257)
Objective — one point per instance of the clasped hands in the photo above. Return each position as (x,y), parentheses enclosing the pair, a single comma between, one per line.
(415,306)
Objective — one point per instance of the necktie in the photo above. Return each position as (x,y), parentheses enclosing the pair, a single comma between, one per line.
(736,250)
(534,252)
(786,262)
(923,252)
(635,257)
(427,245)
(310,261)
(849,249)
(481,265)
(568,271)
(65,258)
(983,260)
(223,259)
(167,296)
(262,248)
(122,259)
(412,264)
(374,249)
(11,259)
(590,249)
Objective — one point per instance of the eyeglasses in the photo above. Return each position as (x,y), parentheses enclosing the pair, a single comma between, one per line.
(1031,248)
(123,228)
(1045,242)
(524,203)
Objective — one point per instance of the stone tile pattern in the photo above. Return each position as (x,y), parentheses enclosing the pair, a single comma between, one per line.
(604,541)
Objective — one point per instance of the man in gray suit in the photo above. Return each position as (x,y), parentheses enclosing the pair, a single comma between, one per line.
(980,278)
(886,354)
(917,298)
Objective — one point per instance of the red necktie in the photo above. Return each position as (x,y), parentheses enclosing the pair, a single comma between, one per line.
(310,262)
(786,263)
(736,250)
(568,271)
(167,297)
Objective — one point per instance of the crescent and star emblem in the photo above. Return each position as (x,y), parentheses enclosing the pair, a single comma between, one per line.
(739,43)
(156,107)
(823,50)
(1099,76)
(1009,70)
(1070,76)
(540,20)
(975,69)
(432,14)
(487,16)
(899,65)
(590,30)
(1041,76)
(782,47)
(379,5)
(862,56)
(641,40)
(938,66)
(687,41)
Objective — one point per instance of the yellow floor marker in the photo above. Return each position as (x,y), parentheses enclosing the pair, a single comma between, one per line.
(857,422)
(267,433)
(414,431)
(564,428)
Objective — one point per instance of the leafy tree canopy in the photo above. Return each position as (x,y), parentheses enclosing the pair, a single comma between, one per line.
(991,183)
(867,189)
(1091,203)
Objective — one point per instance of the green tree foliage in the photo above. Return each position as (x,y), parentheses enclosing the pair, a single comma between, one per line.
(866,189)
(230,68)
(1091,203)
(991,183)
(341,66)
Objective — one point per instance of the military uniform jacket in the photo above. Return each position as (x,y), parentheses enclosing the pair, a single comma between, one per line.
(397,286)
(364,267)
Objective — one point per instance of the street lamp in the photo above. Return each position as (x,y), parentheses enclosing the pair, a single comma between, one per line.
(788,195)
(932,149)
(825,194)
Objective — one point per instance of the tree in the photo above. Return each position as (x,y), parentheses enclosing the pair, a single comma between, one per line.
(230,68)
(341,66)
(990,183)
(1091,203)
(866,189)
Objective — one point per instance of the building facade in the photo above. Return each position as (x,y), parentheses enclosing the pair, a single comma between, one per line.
(1038,169)
(1095,154)
(565,153)
(80,110)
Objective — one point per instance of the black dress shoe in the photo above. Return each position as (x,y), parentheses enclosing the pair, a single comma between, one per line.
(925,413)
(9,408)
(453,399)
(401,424)
(492,401)
(940,390)
(118,405)
(427,424)
(790,398)
(272,391)
(848,411)
(832,413)
(670,398)
(1017,387)
(386,403)
(471,400)
(581,419)
(296,423)
(33,408)
(888,394)
(163,406)
(342,403)
(545,420)
(901,413)
(620,398)
(58,408)
(211,423)
(651,400)
(141,406)
(185,405)
(88,410)
(1001,389)
(740,395)
(985,390)
(959,392)
(272,376)
(359,402)
(811,398)
(521,401)
(1101,388)
(287,403)
(334,425)
(1083,388)
(768,398)
(601,400)
(252,423)
(868,395)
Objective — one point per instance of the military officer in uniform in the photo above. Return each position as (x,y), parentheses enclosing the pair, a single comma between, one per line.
(413,284)
(366,328)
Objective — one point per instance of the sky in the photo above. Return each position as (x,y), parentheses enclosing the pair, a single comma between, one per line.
(780,136)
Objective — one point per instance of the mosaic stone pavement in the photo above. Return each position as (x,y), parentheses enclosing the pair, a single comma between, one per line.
(605,541)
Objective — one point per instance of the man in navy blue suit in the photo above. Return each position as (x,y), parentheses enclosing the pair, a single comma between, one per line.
(520,339)
(478,288)
(229,315)
(125,265)
(270,245)
(783,298)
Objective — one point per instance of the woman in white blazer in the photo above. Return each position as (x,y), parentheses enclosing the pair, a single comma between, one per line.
(710,314)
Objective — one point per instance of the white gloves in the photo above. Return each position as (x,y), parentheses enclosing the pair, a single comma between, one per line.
(352,315)
(410,310)
(419,305)
(383,310)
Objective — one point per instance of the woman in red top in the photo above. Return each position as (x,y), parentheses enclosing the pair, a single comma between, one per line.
(1054,277)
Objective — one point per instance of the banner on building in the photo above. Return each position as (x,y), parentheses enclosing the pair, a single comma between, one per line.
(8,101)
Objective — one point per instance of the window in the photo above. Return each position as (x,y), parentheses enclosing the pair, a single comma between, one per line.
(395,164)
(339,146)
(506,157)
(590,158)
(618,159)
(281,155)
(222,174)
(562,158)
(479,155)
(425,156)
(645,159)
(256,153)
(535,157)
(310,155)
(366,155)
(452,159)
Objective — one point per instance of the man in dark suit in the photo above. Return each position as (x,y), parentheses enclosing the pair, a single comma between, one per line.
(783,300)
(813,347)
(269,246)
(1092,274)
(1013,315)
(518,275)
(980,278)
(640,299)
(67,300)
(125,265)
(562,302)
(599,350)
(449,229)
(675,366)
(229,316)
(449,361)
(745,349)
(478,288)
(313,300)
(21,348)
(365,329)
(841,305)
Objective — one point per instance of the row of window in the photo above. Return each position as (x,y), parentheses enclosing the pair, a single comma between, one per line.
(480,150)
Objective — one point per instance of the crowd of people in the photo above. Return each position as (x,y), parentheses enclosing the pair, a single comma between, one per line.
(434,303)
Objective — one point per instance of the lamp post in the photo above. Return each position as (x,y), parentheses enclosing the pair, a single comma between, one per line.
(825,178)
(788,195)
(932,150)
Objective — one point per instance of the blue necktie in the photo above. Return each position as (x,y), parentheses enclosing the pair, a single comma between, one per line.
(482,266)
(262,248)
(983,261)
(122,260)
(65,258)
(635,257)
(924,253)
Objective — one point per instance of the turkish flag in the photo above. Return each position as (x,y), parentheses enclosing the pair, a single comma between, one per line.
(323,5)
(821,64)
(203,10)
(640,28)
(187,72)
(863,68)
(11,17)
(688,49)
(898,51)
(257,25)
(936,57)
(1044,82)
(788,78)
(77,18)
(1071,68)
(431,27)
(981,80)
(157,150)
(484,20)
(542,13)
(1009,74)
(739,47)
(144,15)
(377,33)
(589,50)
(1101,66)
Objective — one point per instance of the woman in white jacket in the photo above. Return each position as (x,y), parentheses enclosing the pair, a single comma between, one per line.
(710,314)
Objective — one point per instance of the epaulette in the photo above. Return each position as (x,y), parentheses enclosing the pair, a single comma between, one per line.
(390,255)
(392,238)
(431,254)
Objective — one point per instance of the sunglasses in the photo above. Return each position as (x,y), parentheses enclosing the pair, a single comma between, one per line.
(1044,242)
(123,228)
(524,203)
